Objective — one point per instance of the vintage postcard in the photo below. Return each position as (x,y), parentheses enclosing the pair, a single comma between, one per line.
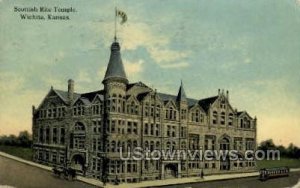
(149,93)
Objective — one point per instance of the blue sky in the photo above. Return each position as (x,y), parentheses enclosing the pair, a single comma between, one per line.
(251,48)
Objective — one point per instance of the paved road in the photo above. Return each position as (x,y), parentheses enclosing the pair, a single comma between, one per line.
(20,175)
(247,183)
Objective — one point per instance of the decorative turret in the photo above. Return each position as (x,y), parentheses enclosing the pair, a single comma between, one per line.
(115,69)
(181,94)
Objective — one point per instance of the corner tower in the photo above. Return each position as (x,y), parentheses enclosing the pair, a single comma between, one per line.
(115,80)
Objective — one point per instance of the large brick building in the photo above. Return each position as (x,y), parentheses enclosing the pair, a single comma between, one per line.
(86,131)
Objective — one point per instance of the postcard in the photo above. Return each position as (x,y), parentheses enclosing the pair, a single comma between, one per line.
(172,93)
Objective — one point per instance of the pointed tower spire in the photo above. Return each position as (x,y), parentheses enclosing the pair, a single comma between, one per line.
(115,69)
(181,94)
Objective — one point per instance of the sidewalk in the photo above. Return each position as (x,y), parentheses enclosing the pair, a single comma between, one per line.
(146,183)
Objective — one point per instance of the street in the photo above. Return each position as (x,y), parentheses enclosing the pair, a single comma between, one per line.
(17,174)
(251,182)
(20,175)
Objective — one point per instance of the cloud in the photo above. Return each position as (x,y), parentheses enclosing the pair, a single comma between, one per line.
(176,65)
(83,76)
(134,67)
(157,44)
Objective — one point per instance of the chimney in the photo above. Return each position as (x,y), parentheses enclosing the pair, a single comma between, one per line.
(70,89)
(218,92)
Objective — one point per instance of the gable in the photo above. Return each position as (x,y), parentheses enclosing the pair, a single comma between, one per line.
(137,88)
(52,99)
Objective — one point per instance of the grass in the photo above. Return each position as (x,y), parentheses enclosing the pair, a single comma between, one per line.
(24,153)
(292,163)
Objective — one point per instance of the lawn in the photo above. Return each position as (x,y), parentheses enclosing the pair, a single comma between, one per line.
(292,163)
(25,153)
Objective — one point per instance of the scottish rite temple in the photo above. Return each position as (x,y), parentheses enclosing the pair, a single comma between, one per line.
(86,131)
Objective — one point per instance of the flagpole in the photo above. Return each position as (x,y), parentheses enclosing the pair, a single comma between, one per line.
(115,24)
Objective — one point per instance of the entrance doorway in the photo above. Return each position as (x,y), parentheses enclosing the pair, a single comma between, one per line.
(77,163)
(171,171)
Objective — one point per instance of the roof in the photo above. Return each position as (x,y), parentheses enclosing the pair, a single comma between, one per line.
(166,97)
(115,68)
(141,84)
(205,103)
(141,96)
(64,94)
(92,95)
(181,94)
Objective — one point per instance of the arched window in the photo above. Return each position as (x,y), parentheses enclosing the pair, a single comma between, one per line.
(113,146)
(168,145)
(224,144)
(79,126)
(78,136)
(146,144)
(151,146)
(183,145)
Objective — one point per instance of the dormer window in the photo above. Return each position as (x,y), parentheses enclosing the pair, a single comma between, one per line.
(78,110)
(170,113)
(215,117)
(196,115)
(222,118)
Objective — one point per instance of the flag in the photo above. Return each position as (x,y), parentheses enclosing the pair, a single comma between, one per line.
(122,15)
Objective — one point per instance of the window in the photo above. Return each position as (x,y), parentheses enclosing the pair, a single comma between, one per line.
(196,115)
(79,127)
(96,109)
(135,128)
(152,129)
(173,131)
(47,135)
(146,129)
(62,136)
(54,138)
(113,126)
(169,130)
(171,113)
(183,145)
(78,110)
(224,145)
(157,130)
(222,118)
(129,128)
(230,119)
(215,117)
(41,135)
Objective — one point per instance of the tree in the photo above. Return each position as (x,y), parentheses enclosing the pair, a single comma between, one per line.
(24,139)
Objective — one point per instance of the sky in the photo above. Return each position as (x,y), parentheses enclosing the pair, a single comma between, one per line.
(250,47)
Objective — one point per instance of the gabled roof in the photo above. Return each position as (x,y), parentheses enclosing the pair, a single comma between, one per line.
(141,96)
(92,95)
(240,113)
(64,95)
(140,84)
(205,103)
(166,97)
(115,68)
